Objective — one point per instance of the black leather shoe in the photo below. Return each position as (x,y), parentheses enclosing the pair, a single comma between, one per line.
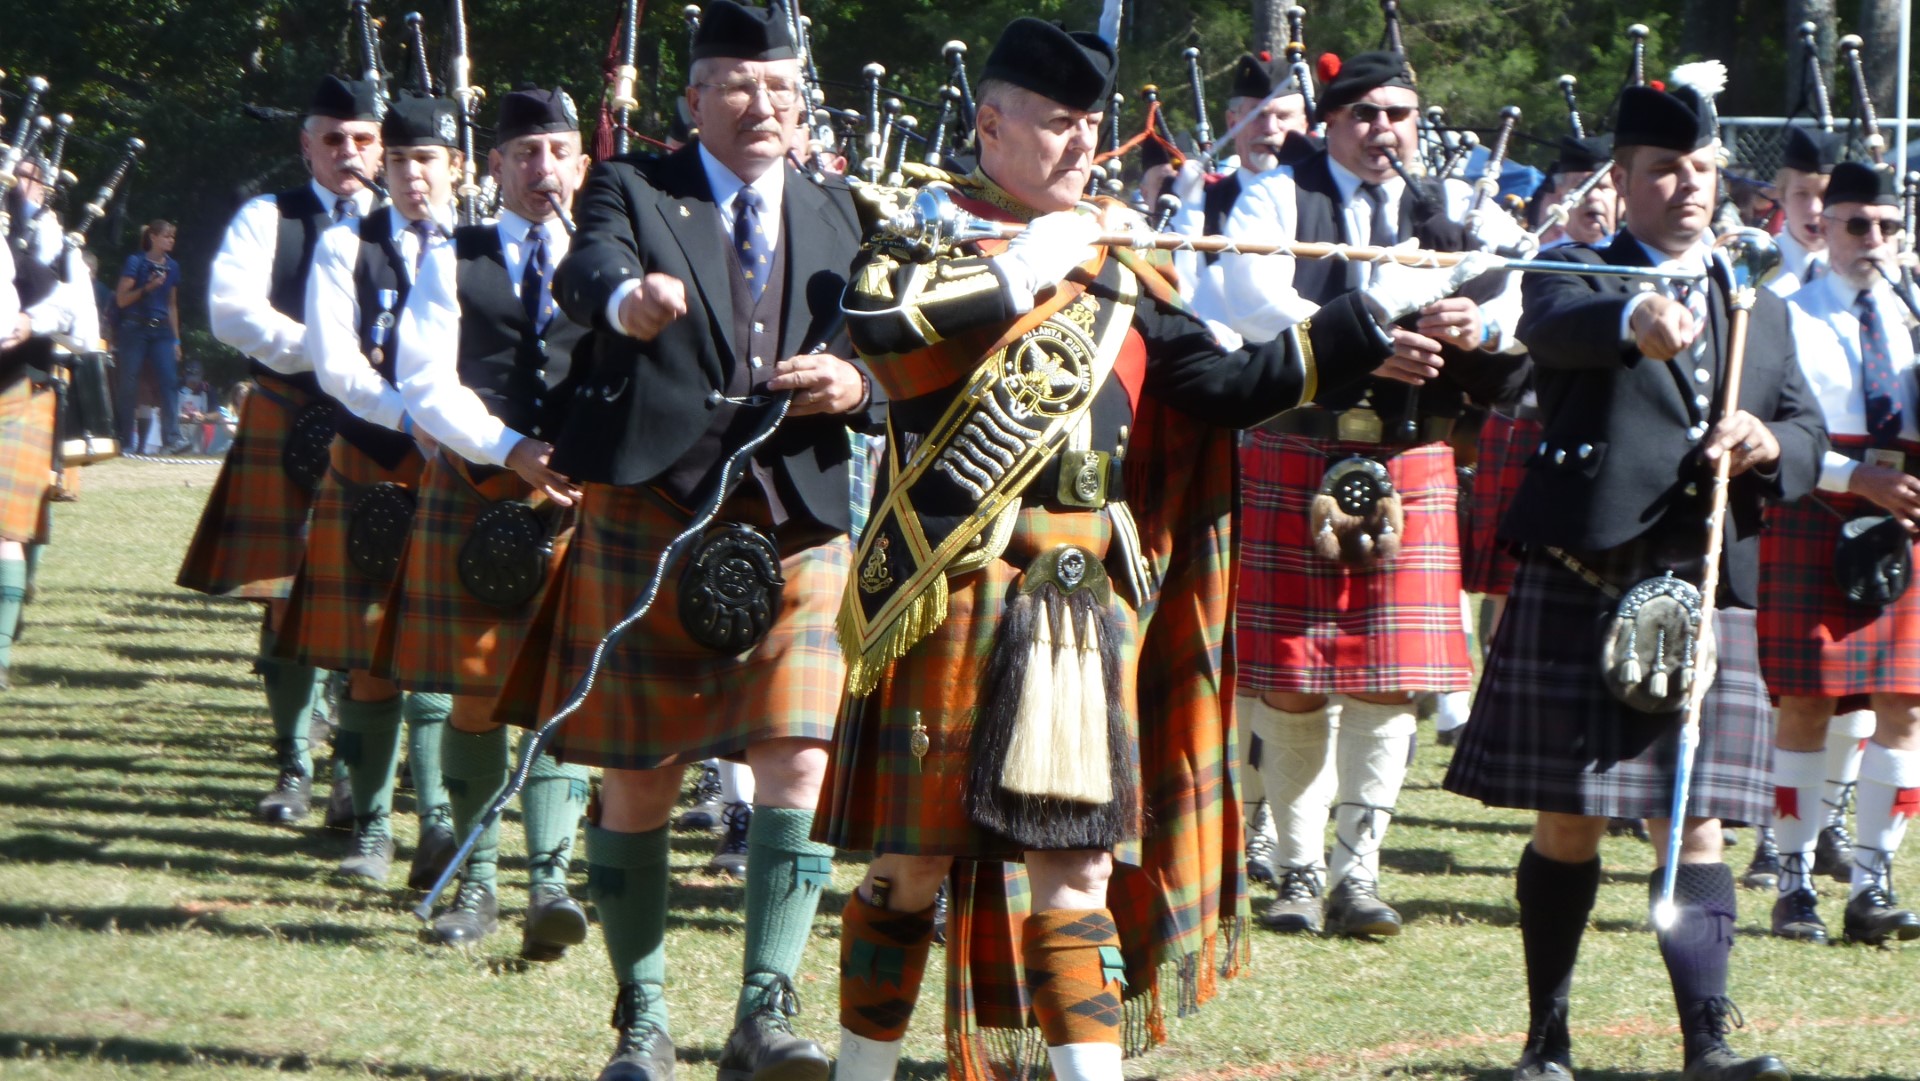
(1297,909)
(1355,910)
(1872,918)
(431,856)
(1260,848)
(1796,916)
(1833,853)
(474,914)
(644,1052)
(291,798)
(1448,737)
(1535,1067)
(1549,1053)
(554,921)
(1763,871)
(340,806)
(731,860)
(371,857)
(1706,1025)
(940,905)
(763,1047)
(706,810)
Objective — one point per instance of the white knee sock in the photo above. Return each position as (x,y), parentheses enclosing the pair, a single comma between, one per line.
(1371,764)
(1846,742)
(736,782)
(1296,766)
(1454,709)
(862,1059)
(1797,777)
(1888,798)
(1253,788)
(1085,1062)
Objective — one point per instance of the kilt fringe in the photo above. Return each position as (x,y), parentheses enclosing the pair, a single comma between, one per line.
(922,616)
(1034,697)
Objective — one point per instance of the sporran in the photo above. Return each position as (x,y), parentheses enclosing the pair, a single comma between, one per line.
(377,528)
(1873,560)
(730,591)
(503,562)
(1356,517)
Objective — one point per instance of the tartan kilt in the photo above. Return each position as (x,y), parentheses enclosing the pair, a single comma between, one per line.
(252,535)
(1545,734)
(26,459)
(879,797)
(438,637)
(1308,625)
(1813,641)
(334,614)
(1486,564)
(661,698)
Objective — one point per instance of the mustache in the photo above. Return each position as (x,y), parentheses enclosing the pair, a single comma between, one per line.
(546,185)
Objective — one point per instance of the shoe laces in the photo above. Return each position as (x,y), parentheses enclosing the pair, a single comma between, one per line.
(553,861)
(1719,1016)
(1259,848)
(371,835)
(1838,831)
(707,788)
(1802,904)
(1556,1017)
(290,779)
(781,1003)
(737,816)
(632,1005)
(1300,883)
(471,897)
(1878,865)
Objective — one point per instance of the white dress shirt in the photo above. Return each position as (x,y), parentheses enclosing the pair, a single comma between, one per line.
(242,277)
(70,315)
(1795,260)
(772,186)
(1697,259)
(1826,335)
(427,358)
(333,317)
(9,296)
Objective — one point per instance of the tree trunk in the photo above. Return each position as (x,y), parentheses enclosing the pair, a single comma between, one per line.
(1269,27)
(1879,29)
(1799,97)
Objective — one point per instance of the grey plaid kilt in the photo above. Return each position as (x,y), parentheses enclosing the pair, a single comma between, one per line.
(1546,735)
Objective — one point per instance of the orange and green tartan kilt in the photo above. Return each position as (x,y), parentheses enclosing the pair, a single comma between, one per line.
(439,637)
(26,458)
(252,535)
(880,798)
(661,698)
(333,619)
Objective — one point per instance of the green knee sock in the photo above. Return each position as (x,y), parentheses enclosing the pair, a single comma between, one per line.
(292,689)
(785,873)
(34,552)
(13,593)
(550,807)
(475,767)
(426,716)
(627,882)
(369,743)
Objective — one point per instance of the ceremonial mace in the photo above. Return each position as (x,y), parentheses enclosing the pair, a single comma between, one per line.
(1746,255)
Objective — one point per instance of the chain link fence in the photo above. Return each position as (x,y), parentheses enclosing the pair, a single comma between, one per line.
(1756,144)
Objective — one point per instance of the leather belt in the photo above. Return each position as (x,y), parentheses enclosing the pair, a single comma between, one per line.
(1523,411)
(1357,426)
(1105,483)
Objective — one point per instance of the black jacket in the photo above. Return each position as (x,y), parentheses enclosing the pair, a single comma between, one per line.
(641,406)
(1618,460)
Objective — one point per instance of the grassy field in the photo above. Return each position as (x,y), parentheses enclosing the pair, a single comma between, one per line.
(149,928)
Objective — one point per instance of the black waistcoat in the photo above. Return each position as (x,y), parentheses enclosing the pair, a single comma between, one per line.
(1216,203)
(302,219)
(381,280)
(502,358)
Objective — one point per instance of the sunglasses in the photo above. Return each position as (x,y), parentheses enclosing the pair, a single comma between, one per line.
(1858,227)
(1365,113)
(362,140)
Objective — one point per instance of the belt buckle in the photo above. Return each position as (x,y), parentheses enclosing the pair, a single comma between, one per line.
(1887,458)
(1359,426)
(1083,478)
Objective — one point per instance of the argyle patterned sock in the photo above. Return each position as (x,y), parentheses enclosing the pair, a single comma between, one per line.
(551,807)
(627,882)
(475,766)
(786,870)
(1075,974)
(883,956)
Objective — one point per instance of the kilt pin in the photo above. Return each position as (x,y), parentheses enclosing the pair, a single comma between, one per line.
(252,535)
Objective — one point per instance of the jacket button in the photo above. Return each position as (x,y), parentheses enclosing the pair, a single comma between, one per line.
(1585,451)
(1542,452)
(1559,457)
(1692,489)
(1697,432)
(1701,375)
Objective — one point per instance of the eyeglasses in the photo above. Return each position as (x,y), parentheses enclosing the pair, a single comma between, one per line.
(1858,227)
(739,92)
(363,140)
(1365,113)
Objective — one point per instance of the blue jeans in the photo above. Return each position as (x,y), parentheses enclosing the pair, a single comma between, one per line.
(140,346)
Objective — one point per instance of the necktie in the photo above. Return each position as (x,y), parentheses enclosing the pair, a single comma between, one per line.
(344,209)
(1814,266)
(424,232)
(1876,374)
(1380,231)
(534,296)
(750,241)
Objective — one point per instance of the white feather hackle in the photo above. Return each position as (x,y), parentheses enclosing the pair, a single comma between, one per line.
(1709,77)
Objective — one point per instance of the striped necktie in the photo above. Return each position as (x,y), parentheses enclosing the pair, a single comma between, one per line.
(1877,379)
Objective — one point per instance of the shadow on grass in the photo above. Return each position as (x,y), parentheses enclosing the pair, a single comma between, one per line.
(115,679)
(1464,1072)
(188,801)
(40,848)
(1446,911)
(1436,861)
(153,919)
(145,765)
(130,1051)
(1516,828)
(192,654)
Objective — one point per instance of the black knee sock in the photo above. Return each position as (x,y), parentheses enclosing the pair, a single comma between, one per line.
(1695,948)
(1555,900)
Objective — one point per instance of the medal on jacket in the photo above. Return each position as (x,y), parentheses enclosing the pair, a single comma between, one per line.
(383,323)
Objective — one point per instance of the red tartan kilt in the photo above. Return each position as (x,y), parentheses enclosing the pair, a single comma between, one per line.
(660,698)
(1813,642)
(333,618)
(879,797)
(26,458)
(439,638)
(1505,445)
(252,535)
(1308,625)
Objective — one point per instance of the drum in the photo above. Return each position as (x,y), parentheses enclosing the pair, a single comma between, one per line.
(88,433)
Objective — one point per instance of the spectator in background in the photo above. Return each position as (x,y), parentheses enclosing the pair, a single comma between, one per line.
(227,421)
(149,331)
(103,298)
(198,408)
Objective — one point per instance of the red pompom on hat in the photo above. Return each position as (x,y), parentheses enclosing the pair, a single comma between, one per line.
(1265,56)
(1328,67)
(1657,84)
